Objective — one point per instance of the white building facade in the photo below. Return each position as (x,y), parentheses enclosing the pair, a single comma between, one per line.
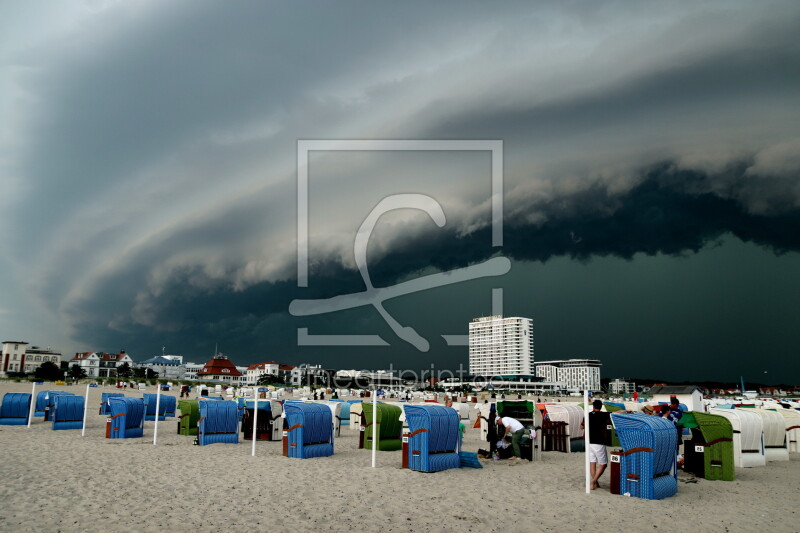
(501,346)
(621,386)
(17,356)
(574,374)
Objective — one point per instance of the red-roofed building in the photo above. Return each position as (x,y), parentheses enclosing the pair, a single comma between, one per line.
(256,370)
(100,364)
(220,368)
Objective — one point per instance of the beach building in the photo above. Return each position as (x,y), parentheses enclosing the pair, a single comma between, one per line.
(689,395)
(222,369)
(100,364)
(575,374)
(191,370)
(165,367)
(500,346)
(621,386)
(254,372)
(17,356)
(306,374)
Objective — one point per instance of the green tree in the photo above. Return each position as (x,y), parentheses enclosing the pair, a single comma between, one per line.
(124,370)
(139,373)
(77,372)
(48,371)
(151,374)
(271,379)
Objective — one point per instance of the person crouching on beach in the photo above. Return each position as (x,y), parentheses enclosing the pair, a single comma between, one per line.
(515,428)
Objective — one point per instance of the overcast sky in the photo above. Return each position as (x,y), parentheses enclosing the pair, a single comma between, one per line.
(148,167)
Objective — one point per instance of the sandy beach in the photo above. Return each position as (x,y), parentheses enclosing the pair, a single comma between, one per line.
(60,481)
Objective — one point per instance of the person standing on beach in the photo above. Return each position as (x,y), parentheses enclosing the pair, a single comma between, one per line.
(599,422)
(674,414)
(515,428)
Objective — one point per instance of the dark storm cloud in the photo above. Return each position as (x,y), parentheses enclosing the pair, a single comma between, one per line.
(657,217)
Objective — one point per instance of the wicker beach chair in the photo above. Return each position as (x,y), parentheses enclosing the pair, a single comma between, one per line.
(190,414)
(709,453)
(67,412)
(433,439)
(308,430)
(268,423)
(648,469)
(775,438)
(104,407)
(15,409)
(390,428)
(791,419)
(44,401)
(126,420)
(218,423)
(356,409)
(166,406)
(529,416)
(572,415)
(748,436)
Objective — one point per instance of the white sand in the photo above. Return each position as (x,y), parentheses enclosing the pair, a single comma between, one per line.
(59,481)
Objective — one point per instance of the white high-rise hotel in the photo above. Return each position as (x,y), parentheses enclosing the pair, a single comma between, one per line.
(501,346)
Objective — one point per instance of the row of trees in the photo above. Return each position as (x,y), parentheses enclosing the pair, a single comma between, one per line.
(49,371)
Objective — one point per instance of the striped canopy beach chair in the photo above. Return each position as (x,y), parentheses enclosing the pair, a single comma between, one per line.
(433,439)
(67,412)
(748,436)
(308,430)
(104,407)
(390,428)
(15,409)
(218,423)
(126,420)
(356,409)
(775,445)
(569,414)
(791,419)
(709,453)
(190,414)
(647,463)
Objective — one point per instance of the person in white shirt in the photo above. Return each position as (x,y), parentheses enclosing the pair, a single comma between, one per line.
(515,428)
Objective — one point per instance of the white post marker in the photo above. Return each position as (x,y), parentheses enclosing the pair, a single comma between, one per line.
(85,408)
(255,419)
(586,439)
(375,427)
(33,400)
(158,406)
